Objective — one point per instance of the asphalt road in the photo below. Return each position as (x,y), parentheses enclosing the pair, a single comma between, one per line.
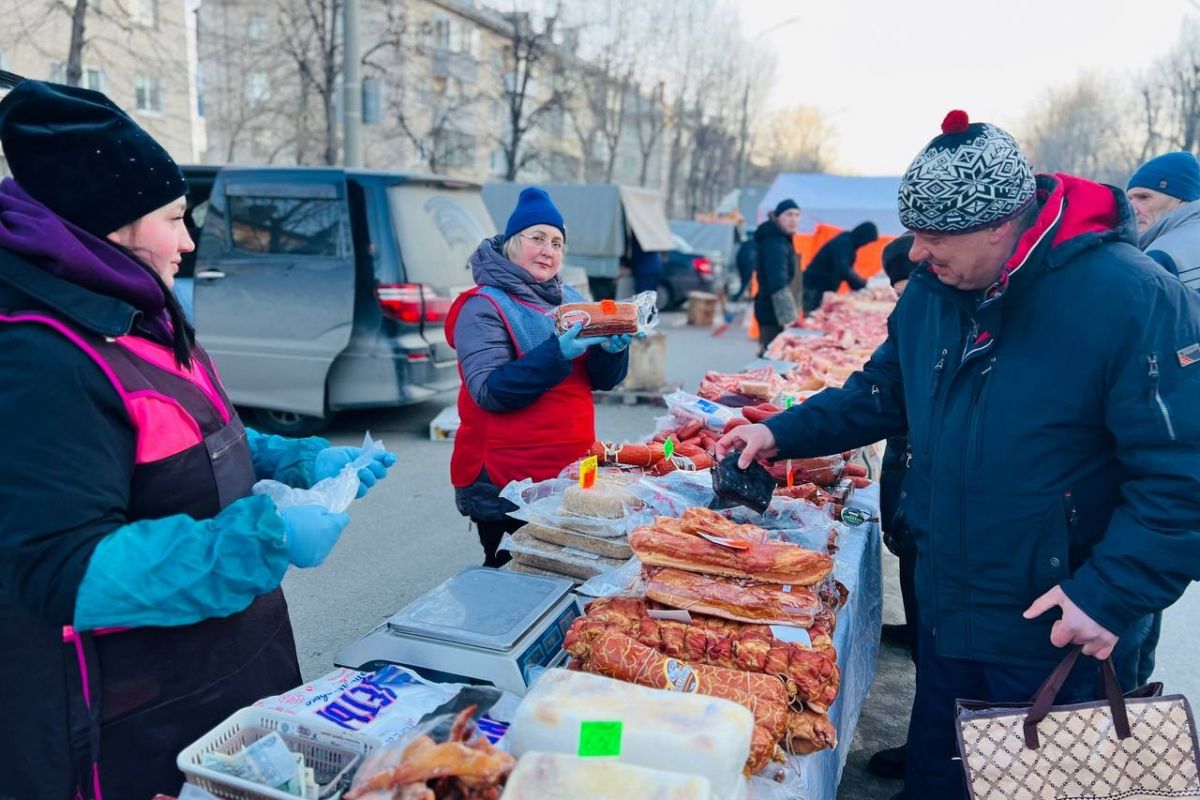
(406,537)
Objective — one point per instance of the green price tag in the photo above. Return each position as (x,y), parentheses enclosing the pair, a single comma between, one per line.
(599,739)
(668,448)
(788,403)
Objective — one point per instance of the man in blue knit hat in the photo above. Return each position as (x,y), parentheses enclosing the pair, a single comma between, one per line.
(1165,195)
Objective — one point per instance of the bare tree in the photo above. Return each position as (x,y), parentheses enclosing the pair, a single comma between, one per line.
(1077,129)
(312,38)
(798,139)
(649,122)
(526,53)
(1170,96)
(433,127)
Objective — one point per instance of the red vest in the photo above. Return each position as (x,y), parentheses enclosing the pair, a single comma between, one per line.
(537,441)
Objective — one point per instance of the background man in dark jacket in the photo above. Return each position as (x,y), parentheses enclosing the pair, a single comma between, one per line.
(1043,368)
(1165,195)
(833,265)
(775,265)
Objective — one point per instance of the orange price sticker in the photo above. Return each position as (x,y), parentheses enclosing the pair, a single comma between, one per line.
(587,472)
(791,475)
(608,307)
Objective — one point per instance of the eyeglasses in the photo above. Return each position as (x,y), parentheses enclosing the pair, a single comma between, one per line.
(557,246)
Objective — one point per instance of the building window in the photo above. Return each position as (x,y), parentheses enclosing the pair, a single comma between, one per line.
(290,226)
(372,106)
(258,88)
(94,79)
(148,93)
(144,12)
(256,29)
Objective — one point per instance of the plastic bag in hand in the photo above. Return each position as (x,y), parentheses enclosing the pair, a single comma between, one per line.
(334,494)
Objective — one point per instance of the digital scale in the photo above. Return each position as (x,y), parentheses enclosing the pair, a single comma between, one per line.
(481,626)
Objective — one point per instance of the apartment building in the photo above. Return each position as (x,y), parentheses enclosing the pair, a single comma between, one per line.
(135,51)
(435,75)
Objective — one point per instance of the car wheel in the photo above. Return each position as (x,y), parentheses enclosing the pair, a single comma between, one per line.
(665,299)
(288,423)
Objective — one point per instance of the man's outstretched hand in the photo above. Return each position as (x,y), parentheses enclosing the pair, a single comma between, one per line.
(755,442)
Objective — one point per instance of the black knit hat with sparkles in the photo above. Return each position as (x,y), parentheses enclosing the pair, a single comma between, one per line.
(83,157)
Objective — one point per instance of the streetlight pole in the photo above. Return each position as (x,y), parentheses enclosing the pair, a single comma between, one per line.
(744,134)
(351,87)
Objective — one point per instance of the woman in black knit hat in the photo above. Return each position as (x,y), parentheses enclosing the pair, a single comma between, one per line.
(139,579)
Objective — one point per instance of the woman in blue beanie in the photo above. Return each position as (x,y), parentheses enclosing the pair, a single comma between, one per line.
(139,577)
(526,399)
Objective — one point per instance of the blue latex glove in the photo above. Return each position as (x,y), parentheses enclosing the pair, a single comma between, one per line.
(615,344)
(572,347)
(310,532)
(329,463)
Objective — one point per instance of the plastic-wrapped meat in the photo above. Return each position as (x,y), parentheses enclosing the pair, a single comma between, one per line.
(751,487)
(616,655)
(737,599)
(811,676)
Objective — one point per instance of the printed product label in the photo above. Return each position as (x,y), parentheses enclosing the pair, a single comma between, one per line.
(680,677)
(576,316)
(853,517)
(599,739)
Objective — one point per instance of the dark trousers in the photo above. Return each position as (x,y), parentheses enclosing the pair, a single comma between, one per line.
(933,770)
(767,334)
(490,534)
(812,299)
(908,593)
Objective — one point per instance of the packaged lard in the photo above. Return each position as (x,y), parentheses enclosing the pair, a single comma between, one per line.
(680,732)
(553,776)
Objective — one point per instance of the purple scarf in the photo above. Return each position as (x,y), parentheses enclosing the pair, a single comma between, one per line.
(32,230)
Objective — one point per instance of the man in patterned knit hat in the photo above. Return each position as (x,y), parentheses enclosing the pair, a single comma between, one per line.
(1046,372)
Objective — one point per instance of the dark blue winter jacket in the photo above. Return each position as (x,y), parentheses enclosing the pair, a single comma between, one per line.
(1053,431)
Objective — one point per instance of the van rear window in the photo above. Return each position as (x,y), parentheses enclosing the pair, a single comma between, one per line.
(302,227)
(438,228)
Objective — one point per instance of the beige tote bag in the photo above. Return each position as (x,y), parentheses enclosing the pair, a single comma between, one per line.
(1125,747)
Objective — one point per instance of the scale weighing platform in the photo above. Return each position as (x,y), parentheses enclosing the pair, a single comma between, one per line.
(481,626)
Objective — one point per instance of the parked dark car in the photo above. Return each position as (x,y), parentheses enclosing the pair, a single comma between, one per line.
(320,289)
(684,270)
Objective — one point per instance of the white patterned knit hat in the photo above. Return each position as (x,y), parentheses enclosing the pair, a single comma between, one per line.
(972,176)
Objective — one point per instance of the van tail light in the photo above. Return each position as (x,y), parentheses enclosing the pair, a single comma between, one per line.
(411,303)
(703,267)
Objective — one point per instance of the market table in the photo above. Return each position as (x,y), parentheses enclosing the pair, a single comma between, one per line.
(857,565)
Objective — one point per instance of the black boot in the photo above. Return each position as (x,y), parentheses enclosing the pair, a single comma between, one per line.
(887,763)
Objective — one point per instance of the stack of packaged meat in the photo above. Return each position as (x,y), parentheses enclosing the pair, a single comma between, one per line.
(579,535)
(734,582)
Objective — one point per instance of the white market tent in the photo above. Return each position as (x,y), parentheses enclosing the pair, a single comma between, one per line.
(839,200)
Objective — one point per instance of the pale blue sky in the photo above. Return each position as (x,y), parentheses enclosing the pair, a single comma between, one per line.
(885,72)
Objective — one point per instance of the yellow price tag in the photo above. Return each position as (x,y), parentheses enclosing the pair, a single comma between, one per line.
(587,472)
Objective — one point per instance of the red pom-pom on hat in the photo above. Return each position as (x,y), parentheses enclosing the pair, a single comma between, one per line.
(955,122)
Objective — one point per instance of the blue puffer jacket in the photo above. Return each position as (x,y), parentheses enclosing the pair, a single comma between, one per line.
(1053,432)
(496,378)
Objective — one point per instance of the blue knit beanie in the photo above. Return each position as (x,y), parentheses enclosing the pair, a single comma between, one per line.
(534,207)
(1176,174)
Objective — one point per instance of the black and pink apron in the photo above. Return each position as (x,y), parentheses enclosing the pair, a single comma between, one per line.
(108,711)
